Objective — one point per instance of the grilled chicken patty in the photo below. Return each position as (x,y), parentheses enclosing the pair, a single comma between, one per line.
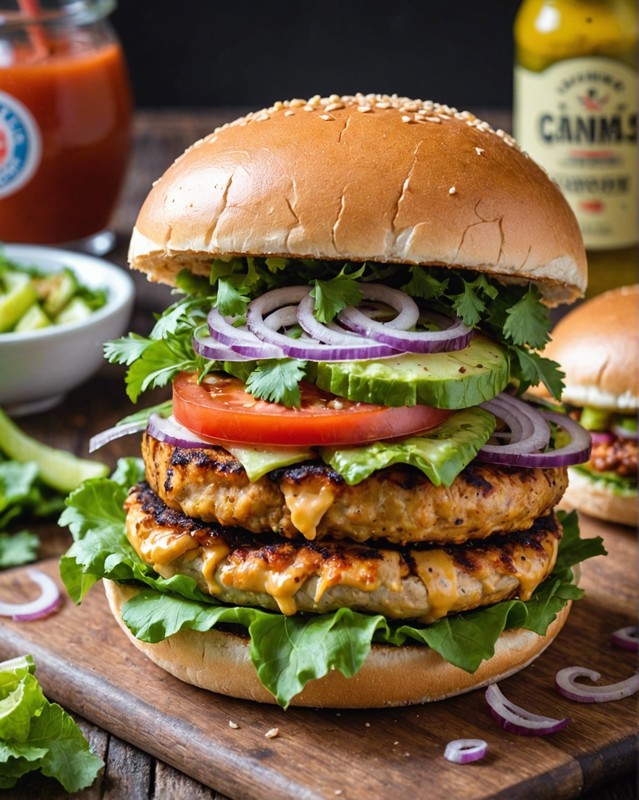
(398,504)
(423,583)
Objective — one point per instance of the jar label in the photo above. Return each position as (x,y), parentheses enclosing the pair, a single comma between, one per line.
(578,119)
(20,145)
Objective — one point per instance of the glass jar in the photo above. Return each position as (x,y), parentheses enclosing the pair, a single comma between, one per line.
(65,122)
(575,112)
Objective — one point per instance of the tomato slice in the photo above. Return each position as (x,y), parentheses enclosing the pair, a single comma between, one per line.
(220,409)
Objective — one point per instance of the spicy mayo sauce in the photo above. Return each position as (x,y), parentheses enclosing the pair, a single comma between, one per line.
(65,119)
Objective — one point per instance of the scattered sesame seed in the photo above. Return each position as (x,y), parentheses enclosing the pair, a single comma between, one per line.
(334,106)
(395,743)
(272,733)
(326,117)
(262,117)
(452,190)
(233,725)
(289,113)
(367,724)
(433,119)
(407,119)
(364,109)
(338,791)
(406,755)
(309,108)
(479,150)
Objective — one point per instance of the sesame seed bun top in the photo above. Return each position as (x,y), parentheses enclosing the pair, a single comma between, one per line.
(364,177)
(597,346)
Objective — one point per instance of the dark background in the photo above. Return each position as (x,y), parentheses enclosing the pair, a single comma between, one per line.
(245,53)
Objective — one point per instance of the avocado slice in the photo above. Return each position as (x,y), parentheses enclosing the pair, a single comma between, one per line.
(458,379)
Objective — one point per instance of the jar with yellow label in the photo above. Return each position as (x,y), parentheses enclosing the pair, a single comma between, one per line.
(575,112)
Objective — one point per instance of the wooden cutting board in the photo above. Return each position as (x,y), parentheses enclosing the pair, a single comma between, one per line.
(85,663)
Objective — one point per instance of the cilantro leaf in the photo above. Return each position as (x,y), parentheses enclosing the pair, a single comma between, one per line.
(126,349)
(334,295)
(232,297)
(423,283)
(277,380)
(530,368)
(161,360)
(528,320)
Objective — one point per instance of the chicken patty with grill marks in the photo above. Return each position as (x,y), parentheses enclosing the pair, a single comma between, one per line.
(423,583)
(398,504)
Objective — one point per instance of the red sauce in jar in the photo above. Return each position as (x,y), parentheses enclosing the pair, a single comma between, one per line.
(79,99)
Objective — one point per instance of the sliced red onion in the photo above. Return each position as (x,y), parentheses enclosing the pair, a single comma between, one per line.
(44,605)
(350,349)
(463,751)
(169,430)
(117,431)
(565,681)
(518,720)
(528,427)
(240,339)
(455,337)
(522,454)
(207,347)
(627,638)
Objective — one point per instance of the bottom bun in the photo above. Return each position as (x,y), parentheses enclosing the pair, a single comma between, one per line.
(391,676)
(595,498)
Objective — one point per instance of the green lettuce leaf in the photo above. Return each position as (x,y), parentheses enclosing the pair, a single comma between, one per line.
(289,651)
(441,453)
(38,735)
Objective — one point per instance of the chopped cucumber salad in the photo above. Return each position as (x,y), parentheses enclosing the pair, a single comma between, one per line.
(31,298)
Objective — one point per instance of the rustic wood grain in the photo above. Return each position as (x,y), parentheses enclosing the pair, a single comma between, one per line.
(372,754)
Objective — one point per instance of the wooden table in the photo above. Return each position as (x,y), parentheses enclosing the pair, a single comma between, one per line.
(130,773)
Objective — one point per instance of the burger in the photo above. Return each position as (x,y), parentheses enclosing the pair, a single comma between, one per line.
(346,501)
(597,345)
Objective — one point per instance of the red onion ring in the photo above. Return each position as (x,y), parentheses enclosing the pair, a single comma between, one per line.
(528,428)
(169,430)
(455,337)
(239,339)
(45,604)
(463,751)
(627,638)
(208,347)
(351,349)
(518,720)
(116,432)
(577,451)
(565,682)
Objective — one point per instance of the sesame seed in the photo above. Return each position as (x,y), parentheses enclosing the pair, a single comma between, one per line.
(337,791)
(452,190)
(262,117)
(272,733)
(406,755)
(395,743)
(479,150)
(334,106)
(309,108)
(407,119)
(233,725)
(326,117)
(382,105)
(364,109)
(367,724)
(433,119)
(289,113)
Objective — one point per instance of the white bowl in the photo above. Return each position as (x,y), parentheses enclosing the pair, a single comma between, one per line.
(38,367)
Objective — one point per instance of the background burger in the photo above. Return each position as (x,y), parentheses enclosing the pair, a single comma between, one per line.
(344,503)
(597,345)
